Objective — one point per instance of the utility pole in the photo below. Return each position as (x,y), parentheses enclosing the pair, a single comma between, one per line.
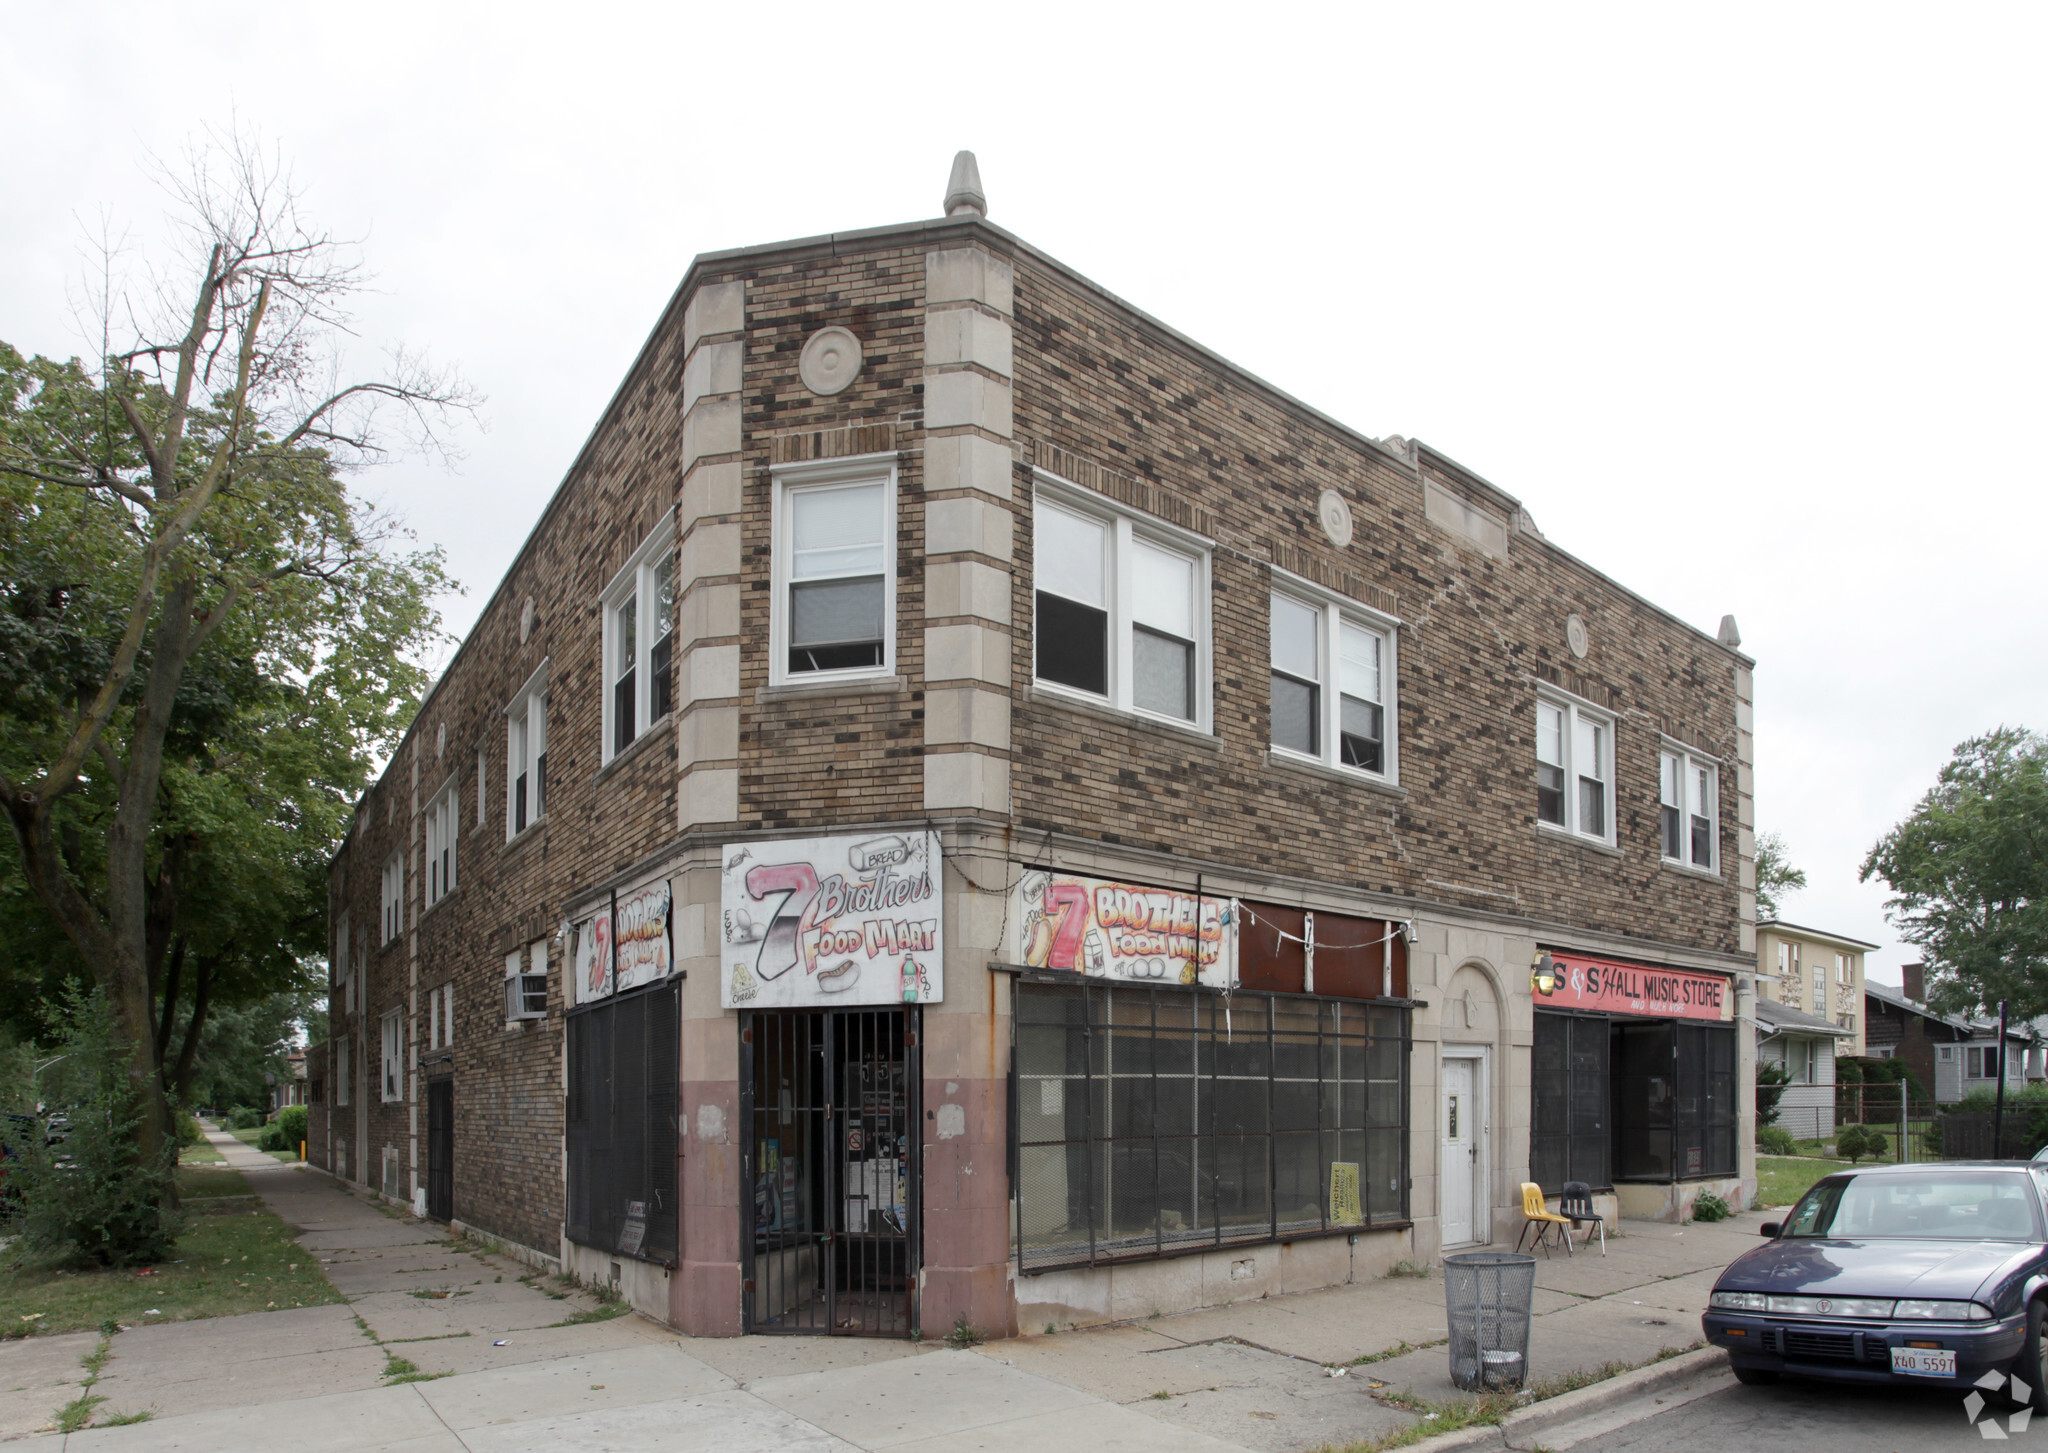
(1998,1118)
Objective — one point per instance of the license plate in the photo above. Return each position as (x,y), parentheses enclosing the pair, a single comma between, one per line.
(1923,1362)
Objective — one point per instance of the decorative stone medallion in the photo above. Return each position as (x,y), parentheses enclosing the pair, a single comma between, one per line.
(1575,635)
(1336,517)
(830,361)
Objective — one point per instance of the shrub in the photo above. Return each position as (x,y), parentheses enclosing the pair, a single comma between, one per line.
(286,1131)
(1860,1140)
(1707,1206)
(94,1197)
(189,1131)
(1776,1140)
(244,1117)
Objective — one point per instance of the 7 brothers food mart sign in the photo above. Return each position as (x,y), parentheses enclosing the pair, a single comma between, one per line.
(1112,930)
(832,921)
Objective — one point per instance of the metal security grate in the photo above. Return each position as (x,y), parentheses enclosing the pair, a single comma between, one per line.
(832,1161)
(1149,1120)
(622,1124)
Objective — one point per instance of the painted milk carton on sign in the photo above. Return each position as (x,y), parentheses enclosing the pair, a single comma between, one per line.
(832,921)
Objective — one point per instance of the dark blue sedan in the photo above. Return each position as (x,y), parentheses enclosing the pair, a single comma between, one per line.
(1906,1274)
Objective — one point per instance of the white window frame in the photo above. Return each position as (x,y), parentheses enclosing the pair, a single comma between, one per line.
(339,1053)
(482,777)
(1680,766)
(392,1043)
(528,710)
(441,1017)
(863,469)
(443,827)
(1333,613)
(526,979)
(637,581)
(1574,711)
(393,885)
(1125,527)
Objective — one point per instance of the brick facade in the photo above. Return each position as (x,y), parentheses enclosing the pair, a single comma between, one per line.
(990,372)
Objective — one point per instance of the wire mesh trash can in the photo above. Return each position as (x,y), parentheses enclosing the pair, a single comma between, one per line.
(1487,1295)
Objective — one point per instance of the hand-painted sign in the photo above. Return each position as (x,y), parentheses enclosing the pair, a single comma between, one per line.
(625,947)
(841,920)
(1121,930)
(1579,981)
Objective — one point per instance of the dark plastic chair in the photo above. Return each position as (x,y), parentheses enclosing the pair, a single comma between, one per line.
(1575,1203)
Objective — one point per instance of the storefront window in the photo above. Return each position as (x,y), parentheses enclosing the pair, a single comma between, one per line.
(622,1123)
(1674,1100)
(1149,1120)
(1569,1132)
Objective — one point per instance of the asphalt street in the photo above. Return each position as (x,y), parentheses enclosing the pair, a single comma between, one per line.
(1819,1417)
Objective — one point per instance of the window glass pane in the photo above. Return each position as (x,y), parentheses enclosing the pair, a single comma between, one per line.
(835,531)
(1592,807)
(1358,663)
(1361,739)
(1164,674)
(835,624)
(1550,794)
(1589,742)
(1667,780)
(1162,590)
(1297,715)
(664,596)
(1069,556)
(1294,639)
(625,619)
(1549,734)
(1671,832)
(1073,644)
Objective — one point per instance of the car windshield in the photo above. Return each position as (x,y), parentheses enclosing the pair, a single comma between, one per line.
(1953,1205)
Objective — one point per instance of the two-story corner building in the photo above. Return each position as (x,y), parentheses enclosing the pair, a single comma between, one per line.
(1816,973)
(969,805)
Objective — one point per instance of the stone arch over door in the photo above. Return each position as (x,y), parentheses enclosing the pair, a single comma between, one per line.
(1475,1016)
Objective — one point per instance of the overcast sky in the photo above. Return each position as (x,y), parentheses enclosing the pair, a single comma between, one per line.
(1745,303)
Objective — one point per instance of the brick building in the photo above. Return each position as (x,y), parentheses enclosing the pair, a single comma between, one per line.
(969,804)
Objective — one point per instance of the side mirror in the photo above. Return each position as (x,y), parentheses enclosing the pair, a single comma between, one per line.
(1769,1228)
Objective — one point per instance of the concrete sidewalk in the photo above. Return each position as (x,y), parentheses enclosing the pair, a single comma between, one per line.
(515,1362)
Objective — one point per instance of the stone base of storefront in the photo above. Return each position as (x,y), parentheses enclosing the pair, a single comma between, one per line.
(643,1285)
(1674,1202)
(1132,1291)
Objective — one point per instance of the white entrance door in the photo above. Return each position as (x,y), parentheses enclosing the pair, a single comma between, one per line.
(1460,1126)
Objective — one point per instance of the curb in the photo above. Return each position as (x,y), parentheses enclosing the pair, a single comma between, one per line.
(1582,1402)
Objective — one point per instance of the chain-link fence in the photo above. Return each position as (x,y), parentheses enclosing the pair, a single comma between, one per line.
(1905,1129)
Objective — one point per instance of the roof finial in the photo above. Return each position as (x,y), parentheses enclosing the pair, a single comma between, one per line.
(963,190)
(1729,636)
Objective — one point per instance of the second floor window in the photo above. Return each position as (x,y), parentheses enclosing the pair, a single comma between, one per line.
(394,896)
(834,559)
(1332,685)
(639,641)
(1575,768)
(526,755)
(444,821)
(1122,610)
(1688,797)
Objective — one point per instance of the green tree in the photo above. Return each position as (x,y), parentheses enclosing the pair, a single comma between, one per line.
(186,579)
(1968,871)
(1775,875)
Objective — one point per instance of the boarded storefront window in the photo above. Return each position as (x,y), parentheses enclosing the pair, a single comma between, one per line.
(622,1123)
(1674,1100)
(1570,1133)
(1153,1120)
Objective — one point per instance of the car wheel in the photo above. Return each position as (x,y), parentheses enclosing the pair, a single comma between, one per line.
(1754,1376)
(2031,1367)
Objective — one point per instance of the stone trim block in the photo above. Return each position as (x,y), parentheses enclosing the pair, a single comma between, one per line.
(967,652)
(970,780)
(966,588)
(970,275)
(711,673)
(712,548)
(967,335)
(712,369)
(715,308)
(706,795)
(709,612)
(966,525)
(961,400)
(711,489)
(965,714)
(713,427)
(708,734)
(967,461)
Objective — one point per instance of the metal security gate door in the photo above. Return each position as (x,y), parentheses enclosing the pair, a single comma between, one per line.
(830,1100)
(441,1150)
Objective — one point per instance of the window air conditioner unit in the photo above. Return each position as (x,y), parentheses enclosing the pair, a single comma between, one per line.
(526,996)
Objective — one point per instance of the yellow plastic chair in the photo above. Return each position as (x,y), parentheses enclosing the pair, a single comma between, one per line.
(1535,1214)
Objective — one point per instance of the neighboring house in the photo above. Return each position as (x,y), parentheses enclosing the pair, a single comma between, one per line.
(971,809)
(1817,973)
(1807,1047)
(289,1088)
(1949,1055)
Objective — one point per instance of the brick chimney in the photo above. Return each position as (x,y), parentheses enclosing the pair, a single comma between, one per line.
(1913,979)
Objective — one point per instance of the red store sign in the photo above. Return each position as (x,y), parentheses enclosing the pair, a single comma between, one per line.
(1577,981)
